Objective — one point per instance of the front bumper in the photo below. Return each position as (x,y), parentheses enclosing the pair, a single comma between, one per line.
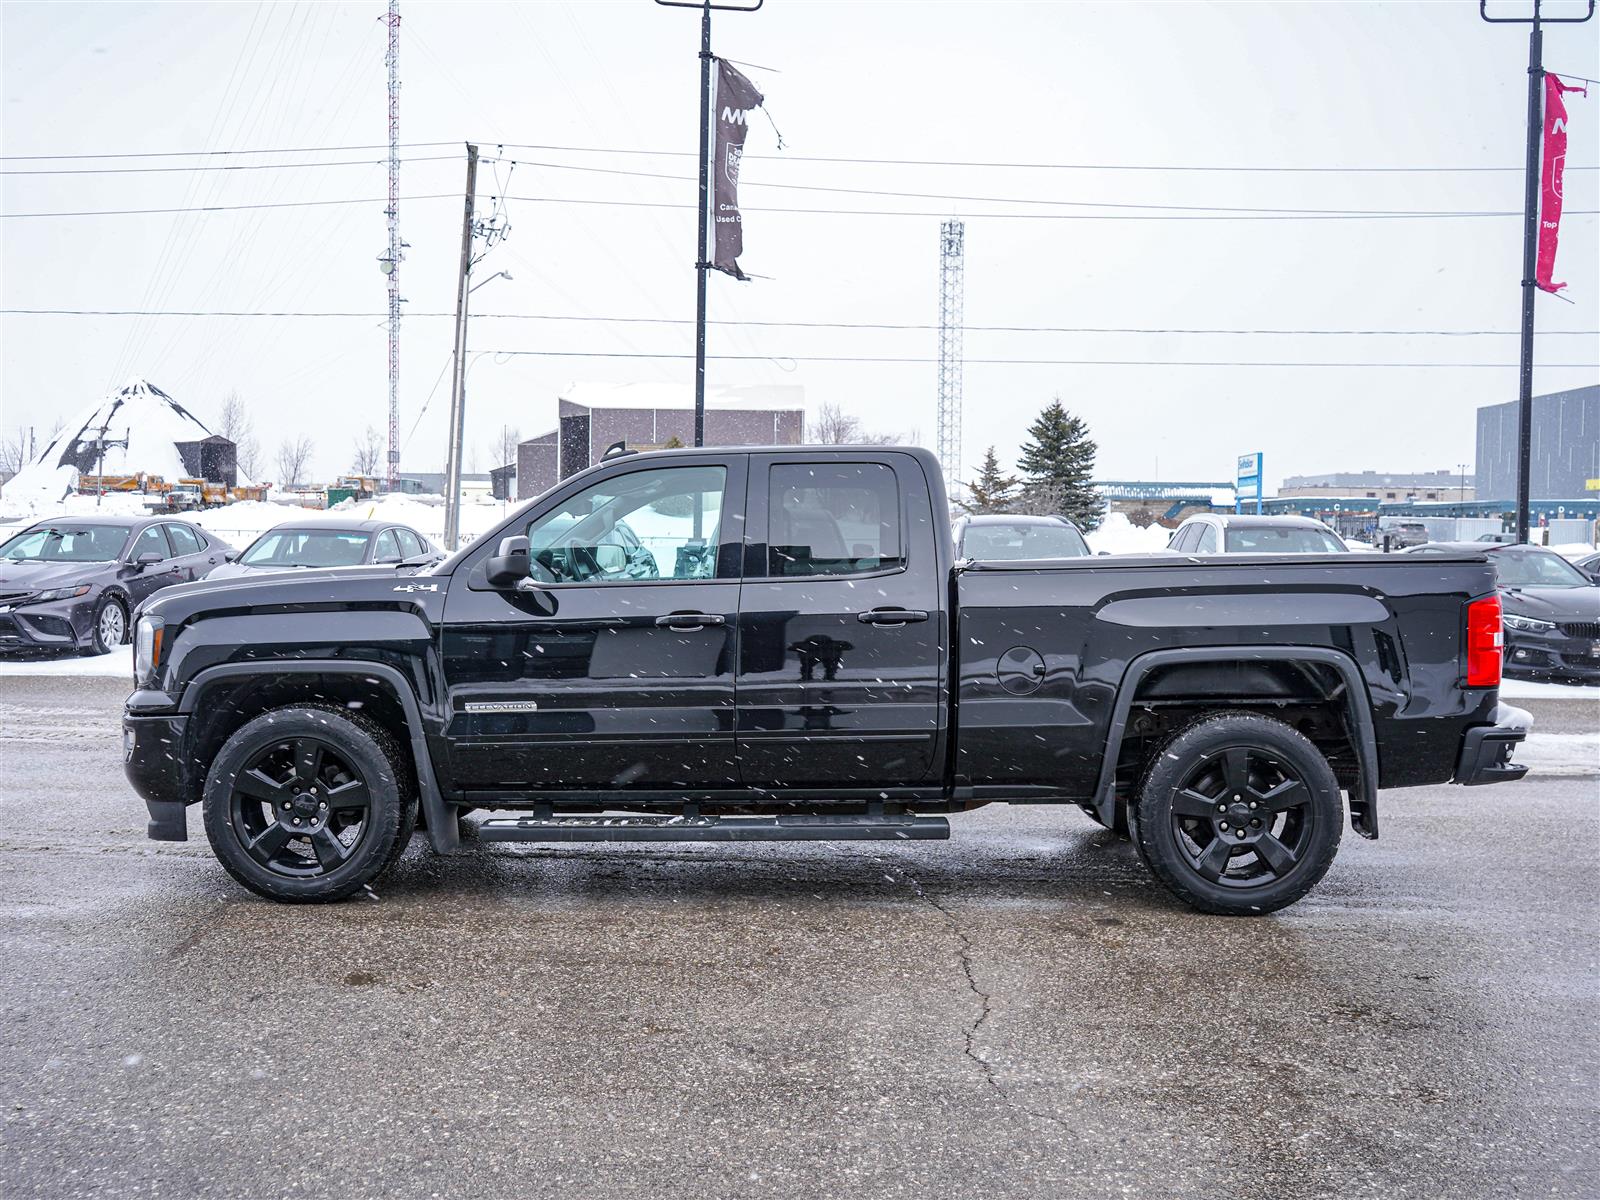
(54,625)
(1552,654)
(1486,749)
(153,761)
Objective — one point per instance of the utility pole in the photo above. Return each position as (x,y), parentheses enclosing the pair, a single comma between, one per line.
(391,262)
(952,293)
(1530,236)
(702,255)
(458,381)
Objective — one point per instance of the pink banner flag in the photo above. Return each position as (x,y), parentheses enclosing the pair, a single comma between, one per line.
(1555,159)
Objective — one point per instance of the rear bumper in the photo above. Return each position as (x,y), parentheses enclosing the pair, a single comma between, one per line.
(152,759)
(1486,749)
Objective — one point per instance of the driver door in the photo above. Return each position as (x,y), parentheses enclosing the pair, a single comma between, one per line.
(613,668)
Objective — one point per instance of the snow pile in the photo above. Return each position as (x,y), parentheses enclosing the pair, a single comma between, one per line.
(139,428)
(1118,535)
(241,523)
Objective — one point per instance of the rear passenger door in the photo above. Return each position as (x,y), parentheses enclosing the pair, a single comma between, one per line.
(841,626)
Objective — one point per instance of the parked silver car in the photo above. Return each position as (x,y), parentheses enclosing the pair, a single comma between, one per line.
(1231,533)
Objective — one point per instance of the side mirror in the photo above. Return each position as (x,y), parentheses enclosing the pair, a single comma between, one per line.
(229,555)
(148,559)
(610,559)
(509,565)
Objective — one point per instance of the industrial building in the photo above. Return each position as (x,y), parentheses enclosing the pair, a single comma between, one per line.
(1565,458)
(1381,485)
(648,416)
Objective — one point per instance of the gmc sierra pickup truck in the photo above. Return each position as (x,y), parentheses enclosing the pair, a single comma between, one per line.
(779,644)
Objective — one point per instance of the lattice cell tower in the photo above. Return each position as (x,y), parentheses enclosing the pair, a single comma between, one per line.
(952,237)
(391,259)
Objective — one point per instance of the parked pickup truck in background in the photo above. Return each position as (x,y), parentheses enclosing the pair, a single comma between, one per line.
(783,646)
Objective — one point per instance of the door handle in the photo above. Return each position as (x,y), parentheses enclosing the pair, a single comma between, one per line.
(688,622)
(891,617)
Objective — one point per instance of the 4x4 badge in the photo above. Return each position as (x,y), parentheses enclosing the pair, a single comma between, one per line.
(417,587)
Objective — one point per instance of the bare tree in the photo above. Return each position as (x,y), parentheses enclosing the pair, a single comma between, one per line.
(502,449)
(368,453)
(832,426)
(294,454)
(233,423)
(13,454)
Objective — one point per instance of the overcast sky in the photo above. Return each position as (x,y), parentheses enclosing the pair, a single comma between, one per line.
(1152,85)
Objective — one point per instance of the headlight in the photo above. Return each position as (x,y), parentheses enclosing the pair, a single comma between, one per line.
(1528,624)
(148,636)
(61,593)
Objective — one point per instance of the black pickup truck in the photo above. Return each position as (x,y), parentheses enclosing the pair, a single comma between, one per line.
(778,644)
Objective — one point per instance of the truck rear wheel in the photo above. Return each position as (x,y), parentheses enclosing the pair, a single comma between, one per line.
(309,804)
(1238,814)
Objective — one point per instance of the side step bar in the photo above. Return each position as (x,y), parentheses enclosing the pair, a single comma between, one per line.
(787,828)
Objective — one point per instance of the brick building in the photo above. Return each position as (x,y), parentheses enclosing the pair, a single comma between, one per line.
(646,416)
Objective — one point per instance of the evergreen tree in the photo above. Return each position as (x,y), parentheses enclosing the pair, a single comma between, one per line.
(1057,465)
(990,492)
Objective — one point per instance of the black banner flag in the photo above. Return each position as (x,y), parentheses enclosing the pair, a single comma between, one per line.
(737,98)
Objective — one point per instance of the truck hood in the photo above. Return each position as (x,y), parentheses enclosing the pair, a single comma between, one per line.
(389,585)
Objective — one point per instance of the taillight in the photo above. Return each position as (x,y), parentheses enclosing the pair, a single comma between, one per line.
(1485,642)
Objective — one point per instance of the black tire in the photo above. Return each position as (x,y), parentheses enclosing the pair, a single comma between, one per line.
(1238,815)
(309,804)
(110,627)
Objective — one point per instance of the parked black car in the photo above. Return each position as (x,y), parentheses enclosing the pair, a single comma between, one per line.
(74,583)
(811,662)
(1552,611)
(327,544)
(1005,536)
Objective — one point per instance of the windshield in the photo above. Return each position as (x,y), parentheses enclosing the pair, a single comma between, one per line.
(1281,539)
(66,543)
(1536,568)
(307,548)
(1023,540)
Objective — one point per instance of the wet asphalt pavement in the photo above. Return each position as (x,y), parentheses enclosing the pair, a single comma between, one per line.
(1015,1012)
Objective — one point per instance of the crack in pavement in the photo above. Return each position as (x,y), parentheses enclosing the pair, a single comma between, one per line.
(964,956)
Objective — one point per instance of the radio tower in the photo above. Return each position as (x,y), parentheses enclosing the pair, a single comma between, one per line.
(952,235)
(391,261)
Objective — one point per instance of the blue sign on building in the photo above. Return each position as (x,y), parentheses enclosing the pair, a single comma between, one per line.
(1248,486)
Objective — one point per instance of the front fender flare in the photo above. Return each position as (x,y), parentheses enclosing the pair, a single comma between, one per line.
(443,834)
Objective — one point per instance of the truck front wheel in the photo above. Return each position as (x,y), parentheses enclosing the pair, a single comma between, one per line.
(309,804)
(1238,814)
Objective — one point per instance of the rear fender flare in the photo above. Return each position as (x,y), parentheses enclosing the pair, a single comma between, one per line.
(1357,704)
(443,833)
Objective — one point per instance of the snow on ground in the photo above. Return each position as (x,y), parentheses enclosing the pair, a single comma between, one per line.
(240,524)
(1559,753)
(1118,535)
(117,664)
(1529,689)
(135,429)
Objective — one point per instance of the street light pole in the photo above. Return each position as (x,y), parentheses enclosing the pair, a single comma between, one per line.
(1530,236)
(452,466)
(702,263)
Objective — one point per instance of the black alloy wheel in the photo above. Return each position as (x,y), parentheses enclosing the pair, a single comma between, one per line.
(309,803)
(1238,814)
(299,807)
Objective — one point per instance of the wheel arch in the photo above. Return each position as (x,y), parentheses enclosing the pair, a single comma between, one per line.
(234,693)
(1258,675)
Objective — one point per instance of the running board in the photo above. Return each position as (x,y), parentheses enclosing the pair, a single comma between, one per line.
(788,828)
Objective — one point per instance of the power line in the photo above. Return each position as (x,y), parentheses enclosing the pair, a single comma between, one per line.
(1276,169)
(862,325)
(346,162)
(216,153)
(1028,362)
(1040,166)
(1096,204)
(1246,215)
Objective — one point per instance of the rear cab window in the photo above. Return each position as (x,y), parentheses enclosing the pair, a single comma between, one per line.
(833,519)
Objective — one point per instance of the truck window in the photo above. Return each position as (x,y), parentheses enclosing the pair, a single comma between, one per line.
(660,524)
(833,519)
